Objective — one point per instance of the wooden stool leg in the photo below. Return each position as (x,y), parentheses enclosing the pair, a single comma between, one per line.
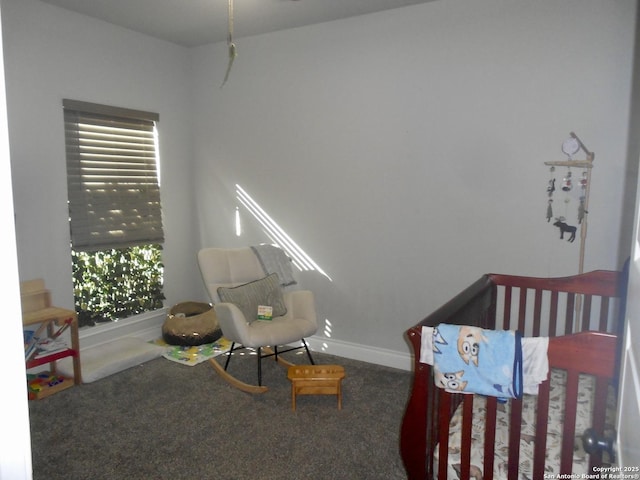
(339,395)
(293,396)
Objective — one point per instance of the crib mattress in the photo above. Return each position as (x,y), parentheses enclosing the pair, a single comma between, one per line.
(527,435)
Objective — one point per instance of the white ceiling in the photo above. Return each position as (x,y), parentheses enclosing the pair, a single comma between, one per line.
(198,22)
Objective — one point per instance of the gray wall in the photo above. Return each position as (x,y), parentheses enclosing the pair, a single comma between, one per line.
(403,151)
(51,54)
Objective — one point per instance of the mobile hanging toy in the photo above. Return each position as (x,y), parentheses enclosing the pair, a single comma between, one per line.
(551,187)
(564,228)
(572,196)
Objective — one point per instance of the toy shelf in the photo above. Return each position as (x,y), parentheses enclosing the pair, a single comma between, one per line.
(37,310)
(36,362)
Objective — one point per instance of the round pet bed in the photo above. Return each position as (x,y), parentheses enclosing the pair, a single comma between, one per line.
(191,323)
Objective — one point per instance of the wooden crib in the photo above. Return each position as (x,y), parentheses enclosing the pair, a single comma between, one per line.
(446,435)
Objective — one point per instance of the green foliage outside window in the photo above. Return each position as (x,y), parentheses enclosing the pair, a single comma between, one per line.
(113,284)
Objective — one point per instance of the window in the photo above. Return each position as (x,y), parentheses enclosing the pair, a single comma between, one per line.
(115,214)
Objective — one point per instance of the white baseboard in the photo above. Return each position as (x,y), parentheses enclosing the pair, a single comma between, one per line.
(365,353)
(148,326)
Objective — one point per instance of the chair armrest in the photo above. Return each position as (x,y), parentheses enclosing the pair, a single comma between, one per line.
(301,304)
(231,321)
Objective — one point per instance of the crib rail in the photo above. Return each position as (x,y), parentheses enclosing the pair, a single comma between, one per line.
(536,306)
(573,304)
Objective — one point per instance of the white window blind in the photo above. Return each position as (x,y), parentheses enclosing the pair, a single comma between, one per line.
(112,177)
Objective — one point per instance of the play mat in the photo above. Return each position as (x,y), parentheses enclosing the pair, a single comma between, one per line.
(193,355)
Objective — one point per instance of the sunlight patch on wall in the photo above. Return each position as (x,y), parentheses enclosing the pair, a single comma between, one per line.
(327,331)
(238,223)
(277,235)
(327,328)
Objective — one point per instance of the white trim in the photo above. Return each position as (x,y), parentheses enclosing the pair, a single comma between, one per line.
(147,326)
(365,353)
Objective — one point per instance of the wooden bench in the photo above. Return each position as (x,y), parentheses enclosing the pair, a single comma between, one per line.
(316,380)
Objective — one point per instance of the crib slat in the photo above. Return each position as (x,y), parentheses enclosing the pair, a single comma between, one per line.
(465,442)
(604,316)
(537,310)
(490,436)
(515,424)
(522,312)
(507,308)
(553,314)
(568,319)
(586,312)
(443,434)
(542,422)
(569,425)
(433,400)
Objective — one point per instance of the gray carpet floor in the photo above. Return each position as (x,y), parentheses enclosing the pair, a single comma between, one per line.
(163,420)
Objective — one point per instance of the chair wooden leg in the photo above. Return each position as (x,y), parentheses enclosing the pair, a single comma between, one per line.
(233,381)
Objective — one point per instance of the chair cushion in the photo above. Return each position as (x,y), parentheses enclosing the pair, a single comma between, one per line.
(249,296)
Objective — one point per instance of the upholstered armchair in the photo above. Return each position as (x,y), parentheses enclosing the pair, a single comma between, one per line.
(239,280)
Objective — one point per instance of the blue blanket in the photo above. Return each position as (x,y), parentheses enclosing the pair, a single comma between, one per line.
(474,360)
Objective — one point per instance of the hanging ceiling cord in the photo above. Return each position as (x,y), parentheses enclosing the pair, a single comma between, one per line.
(232,47)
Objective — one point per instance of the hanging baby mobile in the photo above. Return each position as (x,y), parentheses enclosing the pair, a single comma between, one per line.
(574,198)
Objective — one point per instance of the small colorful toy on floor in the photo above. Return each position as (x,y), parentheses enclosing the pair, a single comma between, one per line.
(44,383)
